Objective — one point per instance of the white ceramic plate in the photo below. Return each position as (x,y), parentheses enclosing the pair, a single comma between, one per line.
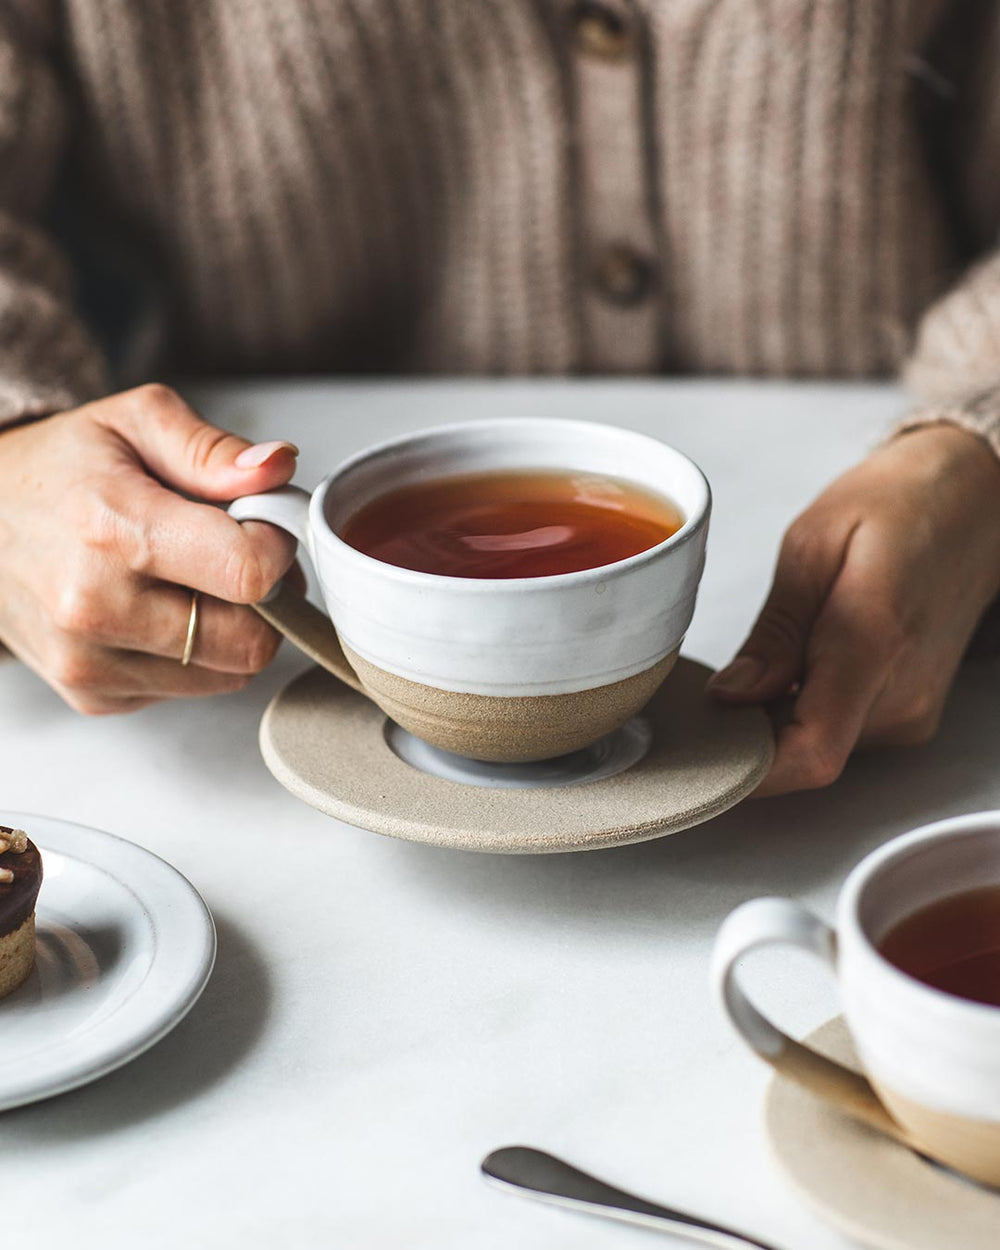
(125,946)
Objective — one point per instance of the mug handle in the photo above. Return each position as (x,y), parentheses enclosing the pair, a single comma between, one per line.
(765,922)
(291,614)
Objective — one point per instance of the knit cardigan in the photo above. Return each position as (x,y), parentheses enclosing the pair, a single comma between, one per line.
(804,188)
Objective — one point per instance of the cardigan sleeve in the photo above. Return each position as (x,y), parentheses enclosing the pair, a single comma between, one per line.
(953,372)
(48,361)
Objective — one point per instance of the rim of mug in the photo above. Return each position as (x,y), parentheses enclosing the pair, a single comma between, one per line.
(861,877)
(691,527)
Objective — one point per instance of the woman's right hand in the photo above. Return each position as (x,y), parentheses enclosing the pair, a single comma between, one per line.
(100,551)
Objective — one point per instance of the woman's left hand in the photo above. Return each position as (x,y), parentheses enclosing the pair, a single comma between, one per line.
(878,589)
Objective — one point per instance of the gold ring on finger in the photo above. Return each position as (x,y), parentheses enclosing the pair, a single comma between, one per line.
(192,630)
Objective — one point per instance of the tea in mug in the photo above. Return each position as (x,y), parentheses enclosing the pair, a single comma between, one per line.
(512,523)
(952,944)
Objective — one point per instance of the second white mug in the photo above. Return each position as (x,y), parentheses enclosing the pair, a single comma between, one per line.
(931,1058)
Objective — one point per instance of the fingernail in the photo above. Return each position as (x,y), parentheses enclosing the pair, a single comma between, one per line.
(740,677)
(260,453)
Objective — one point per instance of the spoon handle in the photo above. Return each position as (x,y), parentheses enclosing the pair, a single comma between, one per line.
(543,1176)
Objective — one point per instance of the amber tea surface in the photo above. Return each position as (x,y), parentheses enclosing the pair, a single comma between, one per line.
(952,944)
(512,524)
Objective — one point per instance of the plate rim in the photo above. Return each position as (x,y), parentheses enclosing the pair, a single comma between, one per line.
(59,1078)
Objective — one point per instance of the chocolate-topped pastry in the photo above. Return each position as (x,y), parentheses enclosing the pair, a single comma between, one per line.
(20,880)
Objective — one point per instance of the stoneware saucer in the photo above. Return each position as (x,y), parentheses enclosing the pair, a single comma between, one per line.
(870,1187)
(683,761)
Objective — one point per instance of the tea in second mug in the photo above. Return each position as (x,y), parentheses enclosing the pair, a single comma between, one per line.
(931,1057)
(503,669)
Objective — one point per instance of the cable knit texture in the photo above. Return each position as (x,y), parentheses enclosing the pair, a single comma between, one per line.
(789,187)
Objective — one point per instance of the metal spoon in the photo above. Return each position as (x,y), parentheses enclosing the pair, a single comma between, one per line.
(543,1176)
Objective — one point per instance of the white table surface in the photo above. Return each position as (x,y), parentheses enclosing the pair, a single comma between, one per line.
(370,1034)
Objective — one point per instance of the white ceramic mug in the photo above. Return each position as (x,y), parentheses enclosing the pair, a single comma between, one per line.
(503,669)
(932,1058)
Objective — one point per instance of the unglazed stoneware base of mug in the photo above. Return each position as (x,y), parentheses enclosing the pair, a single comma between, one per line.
(328,746)
(864,1183)
(971,1146)
(509,730)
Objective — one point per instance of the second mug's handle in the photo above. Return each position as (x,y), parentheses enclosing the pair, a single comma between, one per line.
(780,922)
(293,615)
